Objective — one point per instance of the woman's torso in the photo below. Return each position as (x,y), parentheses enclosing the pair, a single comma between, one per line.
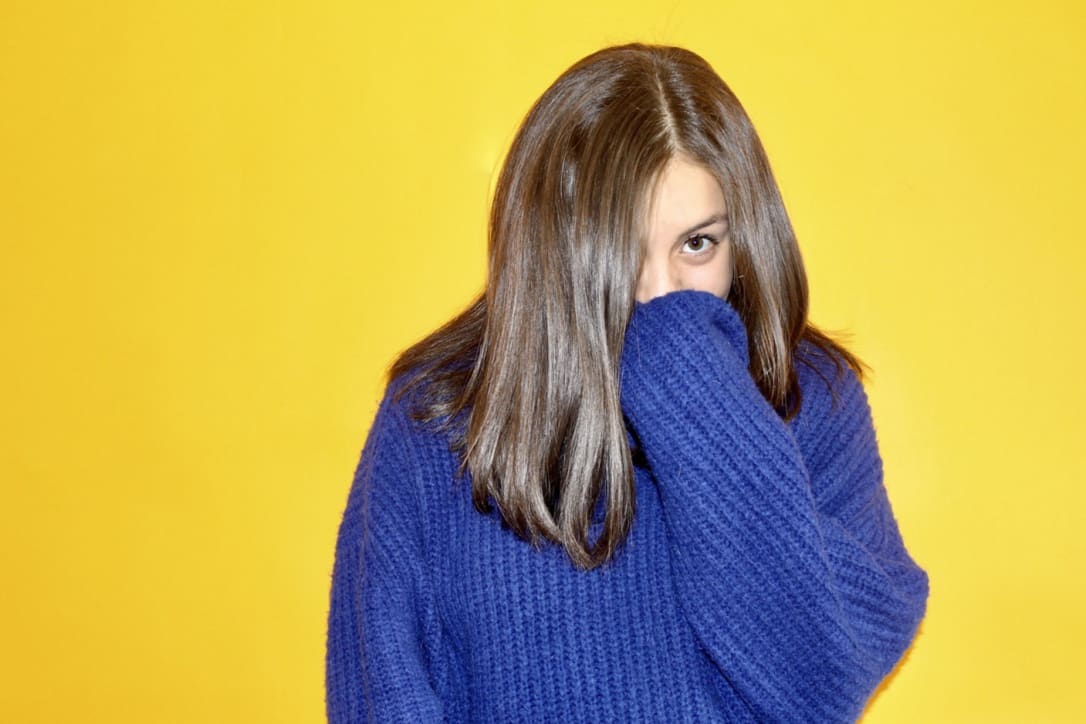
(516,633)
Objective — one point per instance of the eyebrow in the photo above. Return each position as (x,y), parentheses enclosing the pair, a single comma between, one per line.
(715,218)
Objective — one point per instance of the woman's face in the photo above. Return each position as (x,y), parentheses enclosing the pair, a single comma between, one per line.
(688,245)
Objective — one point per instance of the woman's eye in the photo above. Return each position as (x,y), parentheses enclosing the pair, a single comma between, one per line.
(699,244)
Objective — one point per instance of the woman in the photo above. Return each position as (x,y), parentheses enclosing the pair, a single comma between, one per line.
(631,482)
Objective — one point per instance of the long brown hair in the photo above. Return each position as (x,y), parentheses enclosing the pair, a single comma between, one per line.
(526,377)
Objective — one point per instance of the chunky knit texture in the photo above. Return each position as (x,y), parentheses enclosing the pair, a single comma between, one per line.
(764,577)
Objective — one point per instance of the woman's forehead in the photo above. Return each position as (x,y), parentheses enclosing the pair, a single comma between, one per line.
(686,196)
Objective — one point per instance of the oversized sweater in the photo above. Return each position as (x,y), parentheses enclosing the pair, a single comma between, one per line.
(763,579)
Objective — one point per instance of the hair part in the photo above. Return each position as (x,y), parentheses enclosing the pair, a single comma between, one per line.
(525,379)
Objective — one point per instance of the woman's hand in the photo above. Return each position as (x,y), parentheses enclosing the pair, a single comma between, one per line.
(676,346)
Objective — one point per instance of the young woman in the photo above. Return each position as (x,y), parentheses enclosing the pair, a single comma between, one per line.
(631,481)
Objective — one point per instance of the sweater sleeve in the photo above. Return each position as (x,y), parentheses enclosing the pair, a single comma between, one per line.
(376,662)
(802,606)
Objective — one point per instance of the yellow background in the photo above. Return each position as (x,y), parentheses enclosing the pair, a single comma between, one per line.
(220,221)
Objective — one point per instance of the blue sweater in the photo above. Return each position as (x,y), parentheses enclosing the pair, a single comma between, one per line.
(763,579)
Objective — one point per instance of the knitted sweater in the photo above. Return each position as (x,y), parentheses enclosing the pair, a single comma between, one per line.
(763,579)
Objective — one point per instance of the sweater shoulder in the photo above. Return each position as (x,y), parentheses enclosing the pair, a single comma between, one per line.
(827,382)
(835,413)
(402,477)
(399,414)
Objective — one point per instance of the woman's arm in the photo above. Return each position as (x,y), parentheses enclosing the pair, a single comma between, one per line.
(375,667)
(803,607)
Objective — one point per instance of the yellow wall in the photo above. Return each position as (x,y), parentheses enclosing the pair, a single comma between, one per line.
(220,221)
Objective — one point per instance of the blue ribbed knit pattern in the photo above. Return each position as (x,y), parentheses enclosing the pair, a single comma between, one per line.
(764,578)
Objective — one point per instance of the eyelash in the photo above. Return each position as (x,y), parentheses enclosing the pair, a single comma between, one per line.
(713,241)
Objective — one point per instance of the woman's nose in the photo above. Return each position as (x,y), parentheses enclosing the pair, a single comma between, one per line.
(656,281)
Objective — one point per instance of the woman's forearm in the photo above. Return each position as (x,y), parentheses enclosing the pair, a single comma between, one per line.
(802,611)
